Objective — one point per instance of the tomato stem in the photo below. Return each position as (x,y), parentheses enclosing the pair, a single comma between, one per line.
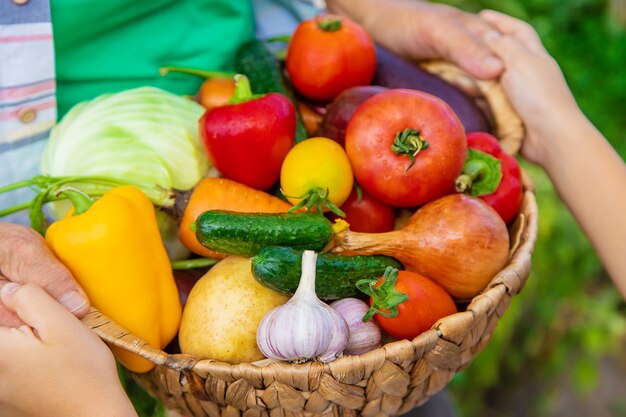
(385,297)
(409,142)
(316,198)
(329,23)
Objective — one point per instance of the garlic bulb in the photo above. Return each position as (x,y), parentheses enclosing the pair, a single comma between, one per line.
(364,336)
(303,328)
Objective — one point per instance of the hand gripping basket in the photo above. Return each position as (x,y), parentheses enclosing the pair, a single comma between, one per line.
(388,381)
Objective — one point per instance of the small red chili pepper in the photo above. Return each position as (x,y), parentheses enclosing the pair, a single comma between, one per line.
(248,138)
(496,180)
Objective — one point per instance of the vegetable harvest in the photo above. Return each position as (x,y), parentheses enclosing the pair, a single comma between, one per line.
(126,275)
(291,221)
(457,241)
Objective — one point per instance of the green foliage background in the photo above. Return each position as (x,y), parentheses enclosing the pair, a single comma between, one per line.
(569,316)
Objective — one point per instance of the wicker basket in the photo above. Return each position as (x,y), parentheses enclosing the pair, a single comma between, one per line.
(388,381)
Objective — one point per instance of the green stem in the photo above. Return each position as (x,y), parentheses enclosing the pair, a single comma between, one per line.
(385,296)
(79,199)
(279,38)
(243,91)
(329,23)
(409,142)
(17,185)
(200,73)
(15,209)
(194,263)
(359,192)
(281,55)
(316,198)
(96,186)
(481,175)
(471,171)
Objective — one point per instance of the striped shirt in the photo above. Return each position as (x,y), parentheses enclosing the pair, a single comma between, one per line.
(27,94)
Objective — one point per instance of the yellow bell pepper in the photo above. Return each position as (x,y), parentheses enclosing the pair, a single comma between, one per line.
(114,250)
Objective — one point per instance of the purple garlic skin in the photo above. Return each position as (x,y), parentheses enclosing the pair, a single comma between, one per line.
(363,336)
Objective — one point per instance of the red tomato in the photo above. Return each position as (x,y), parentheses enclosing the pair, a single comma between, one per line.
(427,303)
(367,215)
(328,54)
(413,123)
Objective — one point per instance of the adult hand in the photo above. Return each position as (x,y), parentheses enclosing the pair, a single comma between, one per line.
(25,258)
(423,30)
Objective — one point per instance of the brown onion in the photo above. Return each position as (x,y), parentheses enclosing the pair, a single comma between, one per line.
(458,241)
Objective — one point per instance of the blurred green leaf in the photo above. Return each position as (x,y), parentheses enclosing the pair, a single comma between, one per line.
(585,375)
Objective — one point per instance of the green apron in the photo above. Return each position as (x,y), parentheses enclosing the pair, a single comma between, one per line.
(106,46)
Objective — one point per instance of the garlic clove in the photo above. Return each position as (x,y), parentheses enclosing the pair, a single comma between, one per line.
(363,336)
(339,337)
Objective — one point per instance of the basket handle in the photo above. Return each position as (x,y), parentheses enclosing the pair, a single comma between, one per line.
(509,126)
(115,335)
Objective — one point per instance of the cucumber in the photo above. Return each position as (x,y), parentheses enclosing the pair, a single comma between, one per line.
(255,60)
(279,268)
(246,233)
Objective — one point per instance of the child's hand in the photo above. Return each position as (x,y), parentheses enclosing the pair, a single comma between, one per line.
(561,139)
(533,82)
(54,365)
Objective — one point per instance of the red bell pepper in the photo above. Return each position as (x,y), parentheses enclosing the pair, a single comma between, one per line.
(496,180)
(248,138)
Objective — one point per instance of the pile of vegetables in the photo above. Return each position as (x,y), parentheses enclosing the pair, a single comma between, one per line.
(307,257)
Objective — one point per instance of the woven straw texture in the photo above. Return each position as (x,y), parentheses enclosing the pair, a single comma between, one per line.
(388,381)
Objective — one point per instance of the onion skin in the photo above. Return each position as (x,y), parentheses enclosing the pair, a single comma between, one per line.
(457,241)
(339,112)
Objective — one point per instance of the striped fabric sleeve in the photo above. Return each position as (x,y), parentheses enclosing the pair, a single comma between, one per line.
(27,92)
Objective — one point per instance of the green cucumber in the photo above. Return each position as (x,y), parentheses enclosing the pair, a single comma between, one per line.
(246,233)
(280,268)
(257,62)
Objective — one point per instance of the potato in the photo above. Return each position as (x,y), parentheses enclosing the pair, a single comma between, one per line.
(223,312)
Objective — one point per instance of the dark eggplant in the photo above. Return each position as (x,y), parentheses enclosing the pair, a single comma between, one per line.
(395,72)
